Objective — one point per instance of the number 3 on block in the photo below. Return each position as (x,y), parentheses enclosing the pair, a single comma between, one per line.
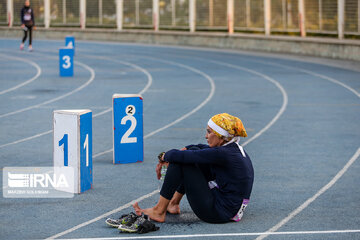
(130,111)
(67,61)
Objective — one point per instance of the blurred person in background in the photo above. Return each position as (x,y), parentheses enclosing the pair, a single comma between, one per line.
(27,24)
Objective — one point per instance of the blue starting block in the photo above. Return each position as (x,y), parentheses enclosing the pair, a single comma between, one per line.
(66,62)
(70,42)
(128,128)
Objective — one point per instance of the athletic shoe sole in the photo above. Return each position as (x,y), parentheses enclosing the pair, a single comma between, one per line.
(126,229)
(112,224)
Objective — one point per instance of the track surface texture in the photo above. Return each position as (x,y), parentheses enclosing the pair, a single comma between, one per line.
(302,115)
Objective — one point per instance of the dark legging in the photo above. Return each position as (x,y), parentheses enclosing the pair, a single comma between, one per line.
(190,179)
(29,29)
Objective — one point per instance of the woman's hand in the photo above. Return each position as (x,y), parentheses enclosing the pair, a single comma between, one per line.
(22,25)
(162,163)
(158,170)
(159,165)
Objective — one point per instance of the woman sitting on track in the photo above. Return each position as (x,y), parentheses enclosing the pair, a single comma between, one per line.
(217,178)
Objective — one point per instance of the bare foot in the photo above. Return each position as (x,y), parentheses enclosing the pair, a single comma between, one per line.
(173,208)
(137,209)
(151,212)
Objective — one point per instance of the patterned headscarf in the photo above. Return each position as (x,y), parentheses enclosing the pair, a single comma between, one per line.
(225,125)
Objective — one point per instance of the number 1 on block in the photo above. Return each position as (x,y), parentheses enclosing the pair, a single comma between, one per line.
(86,147)
(64,141)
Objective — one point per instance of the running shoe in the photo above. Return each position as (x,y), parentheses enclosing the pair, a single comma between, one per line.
(133,228)
(30,49)
(22,46)
(126,219)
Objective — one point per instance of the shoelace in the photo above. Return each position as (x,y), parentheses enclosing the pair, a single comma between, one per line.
(130,219)
(141,219)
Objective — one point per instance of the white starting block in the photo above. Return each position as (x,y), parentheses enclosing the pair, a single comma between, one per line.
(73,145)
(128,128)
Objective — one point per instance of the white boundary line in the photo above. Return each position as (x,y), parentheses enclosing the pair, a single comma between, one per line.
(104,215)
(313,198)
(211,94)
(26,139)
(221,235)
(150,79)
(276,83)
(212,91)
(334,179)
(92,77)
(312,73)
(337,63)
(38,68)
(149,82)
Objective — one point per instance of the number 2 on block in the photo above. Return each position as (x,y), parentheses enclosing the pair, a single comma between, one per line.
(126,138)
(64,141)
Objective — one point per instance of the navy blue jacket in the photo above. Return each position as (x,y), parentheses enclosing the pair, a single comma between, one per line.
(27,16)
(233,173)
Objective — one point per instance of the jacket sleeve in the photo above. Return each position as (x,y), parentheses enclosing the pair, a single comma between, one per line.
(201,146)
(22,16)
(32,17)
(203,156)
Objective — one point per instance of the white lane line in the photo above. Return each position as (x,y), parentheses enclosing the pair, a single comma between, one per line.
(149,82)
(212,91)
(38,73)
(26,139)
(104,215)
(337,176)
(244,53)
(211,94)
(313,198)
(222,235)
(331,80)
(150,79)
(92,77)
(276,83)
(313,74)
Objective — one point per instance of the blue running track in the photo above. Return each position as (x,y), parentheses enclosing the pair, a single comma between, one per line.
(302,116)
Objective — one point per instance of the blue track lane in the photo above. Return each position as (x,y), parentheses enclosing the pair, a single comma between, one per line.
(304,116)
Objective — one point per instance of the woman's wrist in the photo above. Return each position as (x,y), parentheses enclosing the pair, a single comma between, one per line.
(161,157)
